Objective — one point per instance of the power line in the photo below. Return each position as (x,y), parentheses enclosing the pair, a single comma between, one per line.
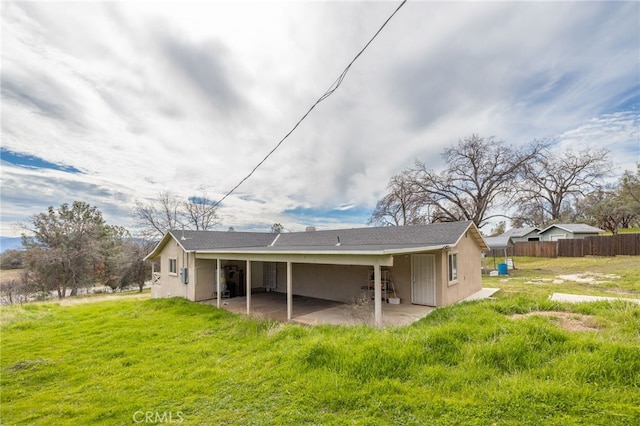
(334,86)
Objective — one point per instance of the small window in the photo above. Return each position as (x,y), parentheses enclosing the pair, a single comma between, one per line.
(173,266)
(453,267)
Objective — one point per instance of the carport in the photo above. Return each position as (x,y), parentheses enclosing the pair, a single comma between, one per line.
(289,258)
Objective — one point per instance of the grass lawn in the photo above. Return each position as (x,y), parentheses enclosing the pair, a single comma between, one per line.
(617,276)
(479,363)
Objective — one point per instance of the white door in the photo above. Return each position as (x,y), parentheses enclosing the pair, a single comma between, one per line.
(423,279)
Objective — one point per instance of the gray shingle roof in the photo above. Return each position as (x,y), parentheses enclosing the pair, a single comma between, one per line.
(211,240)
(576,228)
(387,237)
(520,232)
(358,239)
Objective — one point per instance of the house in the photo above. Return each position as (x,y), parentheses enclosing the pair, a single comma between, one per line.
(561,231)
(528,233)
(502,245)
(434,265)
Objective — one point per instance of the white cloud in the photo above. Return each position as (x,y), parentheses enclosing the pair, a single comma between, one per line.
(143,97)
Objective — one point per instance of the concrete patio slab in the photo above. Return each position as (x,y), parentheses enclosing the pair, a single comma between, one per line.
(311,311)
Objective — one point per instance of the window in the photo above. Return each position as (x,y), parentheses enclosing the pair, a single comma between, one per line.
(173,266)
(453,267)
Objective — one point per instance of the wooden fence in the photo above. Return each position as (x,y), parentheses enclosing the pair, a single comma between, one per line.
(622,244)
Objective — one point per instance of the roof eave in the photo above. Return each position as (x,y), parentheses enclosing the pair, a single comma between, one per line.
(160,246)
(477,236)
(382,252)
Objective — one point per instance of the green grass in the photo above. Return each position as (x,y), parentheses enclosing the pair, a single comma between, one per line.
(534,276)
(625,231)
(472,363)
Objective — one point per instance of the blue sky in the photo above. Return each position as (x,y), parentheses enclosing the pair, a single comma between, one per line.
(111,103)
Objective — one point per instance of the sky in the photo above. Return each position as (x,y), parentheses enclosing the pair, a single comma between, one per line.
(111,103)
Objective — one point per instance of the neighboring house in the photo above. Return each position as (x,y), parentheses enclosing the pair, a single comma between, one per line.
(529,233)
(501,244)
(562,231)
(435,265)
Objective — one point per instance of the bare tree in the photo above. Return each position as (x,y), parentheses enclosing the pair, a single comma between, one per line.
(161,215)
(481,174)
(498,229)
(630,187)
(201,213)
(615,207)
(168,212)
(402,205)
(554,181)
(277,228)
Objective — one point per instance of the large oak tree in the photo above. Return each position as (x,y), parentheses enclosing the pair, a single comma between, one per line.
(556,180)
(480,174)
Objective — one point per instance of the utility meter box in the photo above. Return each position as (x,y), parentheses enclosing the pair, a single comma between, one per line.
(184,275)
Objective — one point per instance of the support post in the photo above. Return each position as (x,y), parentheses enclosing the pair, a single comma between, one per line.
(377,293)
(248,280)
(218,295)
(289,291)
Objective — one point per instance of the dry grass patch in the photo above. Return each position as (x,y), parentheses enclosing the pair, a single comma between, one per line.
(7,275)
(590,277)
(567,320)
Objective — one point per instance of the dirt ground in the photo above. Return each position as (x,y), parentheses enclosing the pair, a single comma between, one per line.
(567,320)
(585,277)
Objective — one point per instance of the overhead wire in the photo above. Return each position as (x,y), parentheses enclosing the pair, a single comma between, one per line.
(334,86)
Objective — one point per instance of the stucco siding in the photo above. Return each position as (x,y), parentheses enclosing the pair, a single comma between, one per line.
(205,280)
(170,285)
(469,272)
(332,282)
(401,277)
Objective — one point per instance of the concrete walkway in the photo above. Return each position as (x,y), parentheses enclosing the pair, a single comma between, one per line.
(485,293)
(578,298)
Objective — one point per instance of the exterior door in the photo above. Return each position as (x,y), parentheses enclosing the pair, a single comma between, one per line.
(423,279)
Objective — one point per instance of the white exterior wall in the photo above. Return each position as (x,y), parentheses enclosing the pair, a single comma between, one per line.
(555,234)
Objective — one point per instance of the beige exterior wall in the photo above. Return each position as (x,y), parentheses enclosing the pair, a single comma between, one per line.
(170,285)
(401,277)
(331,282)
(205,279)
(469,273)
